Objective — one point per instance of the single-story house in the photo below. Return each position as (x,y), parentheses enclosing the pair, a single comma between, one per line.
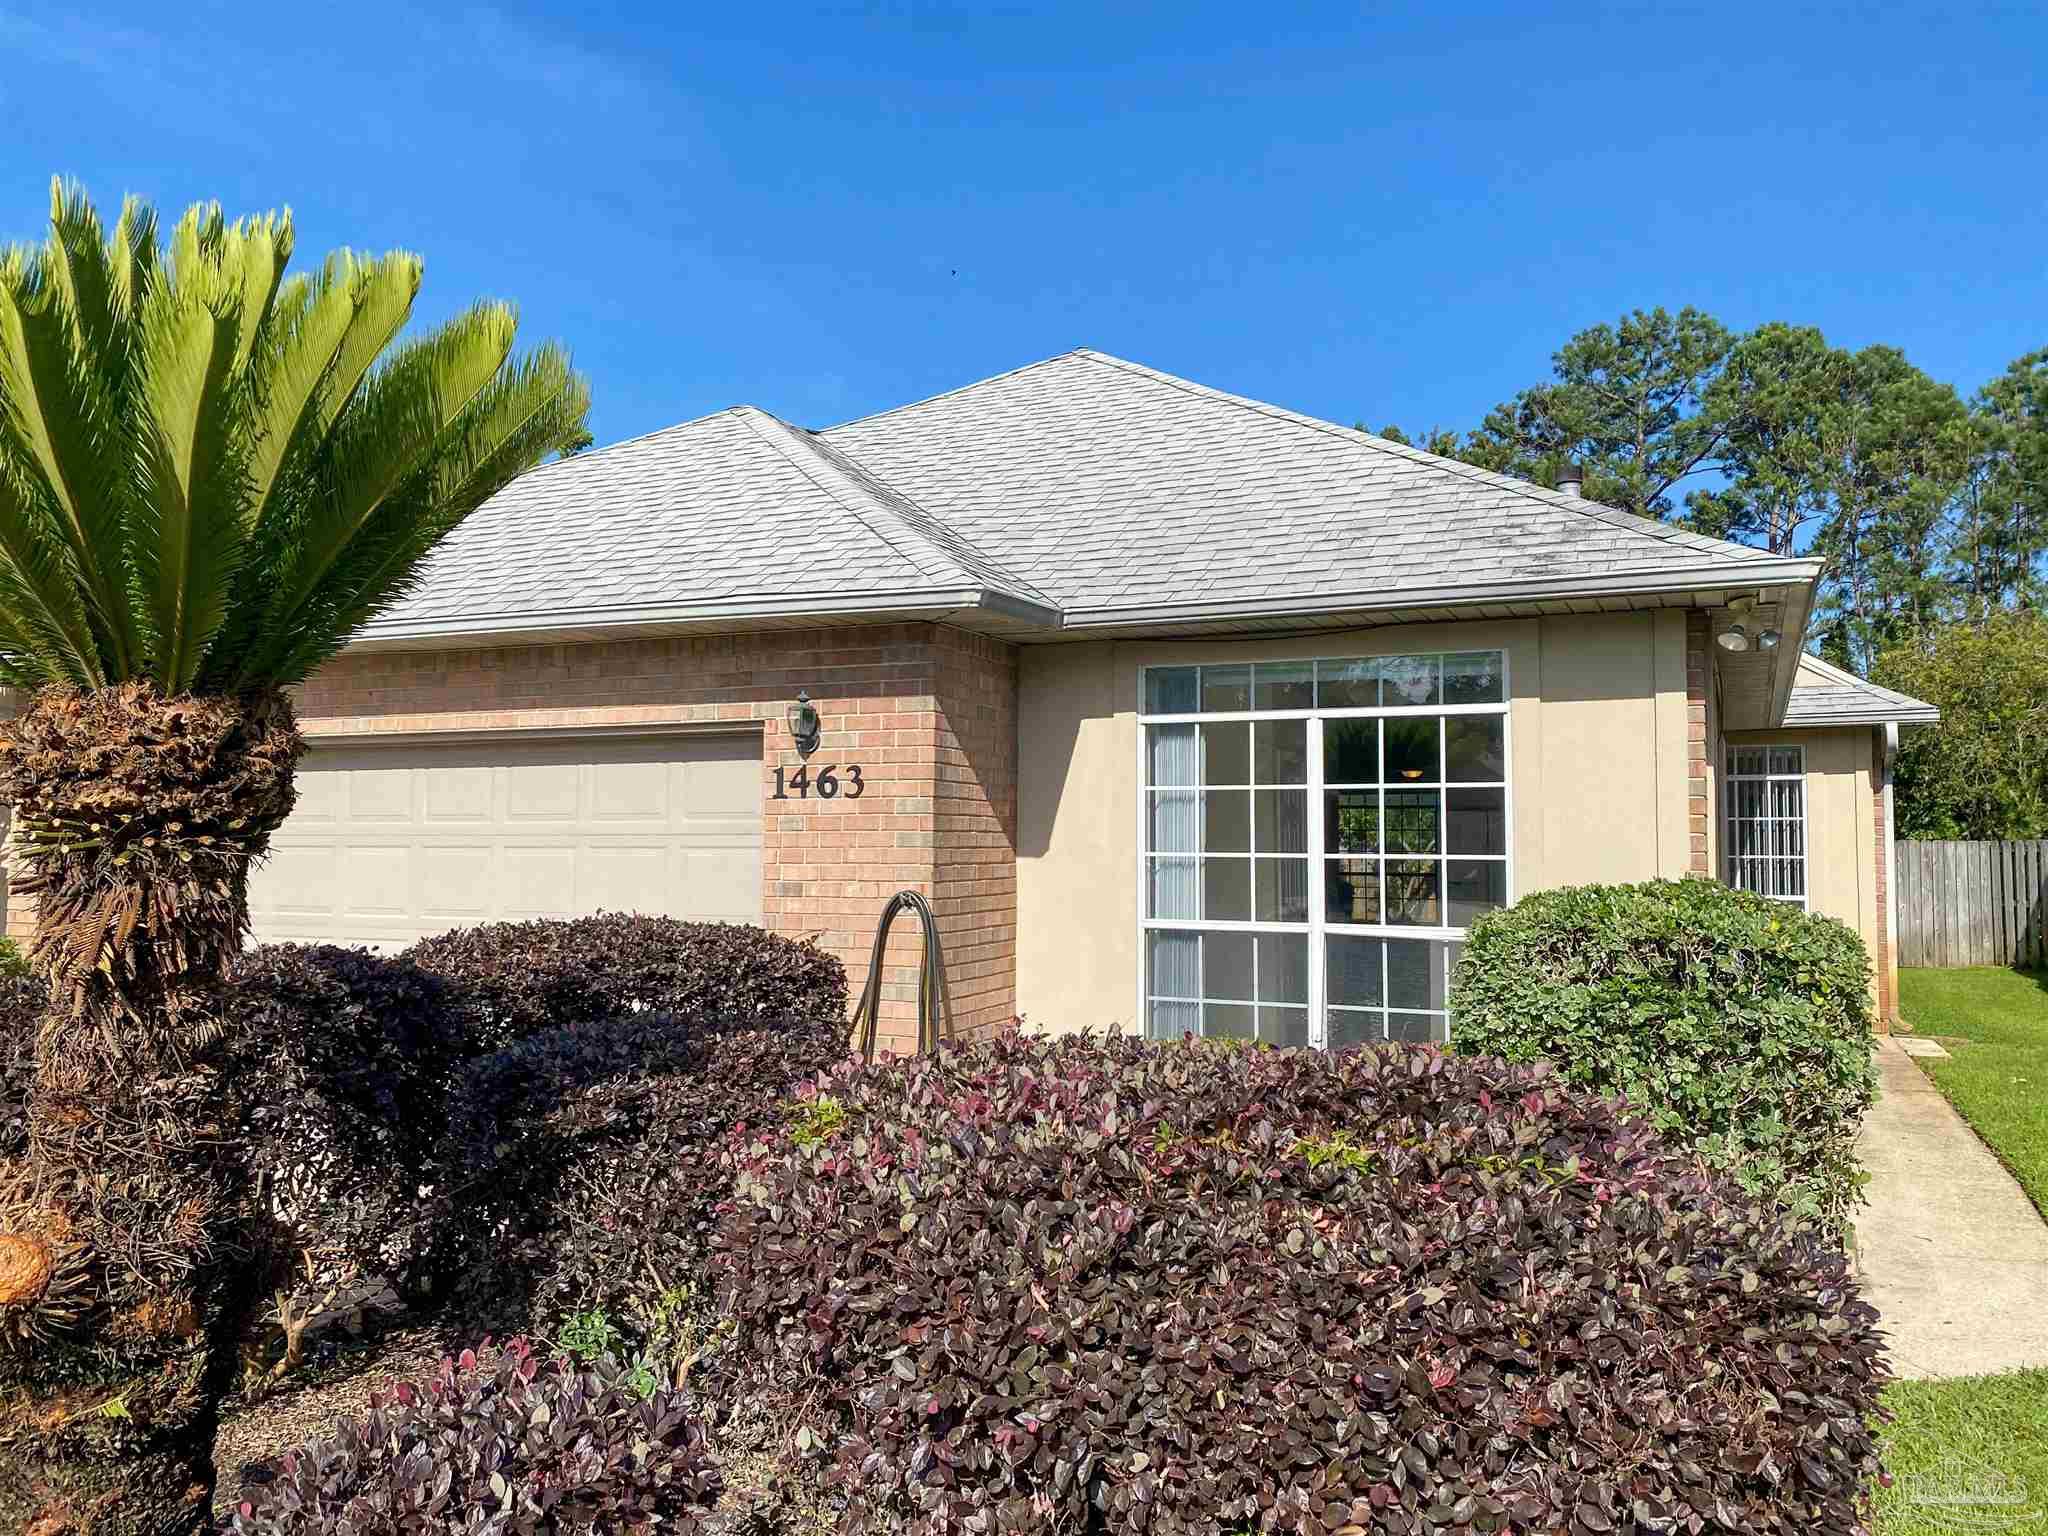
(1184,710)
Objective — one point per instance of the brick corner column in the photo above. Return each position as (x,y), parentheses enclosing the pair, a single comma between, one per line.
(1699,723)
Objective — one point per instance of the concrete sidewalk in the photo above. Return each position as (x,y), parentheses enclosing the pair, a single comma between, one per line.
(1951,1252)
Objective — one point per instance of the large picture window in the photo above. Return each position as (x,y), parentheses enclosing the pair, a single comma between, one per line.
(1318,835)
(1765,826)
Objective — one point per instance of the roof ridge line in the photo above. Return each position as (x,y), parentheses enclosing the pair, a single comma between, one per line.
(1614,517)
(805,466)
(958,389)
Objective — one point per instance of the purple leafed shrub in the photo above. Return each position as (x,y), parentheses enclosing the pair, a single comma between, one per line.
(583,1164)
(497,1441)
(517,979)
(1107,1286)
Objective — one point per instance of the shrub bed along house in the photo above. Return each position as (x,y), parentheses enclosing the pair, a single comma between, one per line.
(501,1443)
(1740,1025)
(1104,1285)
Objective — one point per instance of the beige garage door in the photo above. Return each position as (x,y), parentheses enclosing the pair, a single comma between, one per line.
(392,842)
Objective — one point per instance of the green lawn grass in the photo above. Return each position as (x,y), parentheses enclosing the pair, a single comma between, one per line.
(1996,1024)
(1966,1455)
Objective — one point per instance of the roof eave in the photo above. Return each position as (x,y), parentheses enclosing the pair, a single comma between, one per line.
(1664,582)
(959,605)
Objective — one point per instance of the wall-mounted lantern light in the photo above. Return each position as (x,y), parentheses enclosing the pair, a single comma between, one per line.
(804,724)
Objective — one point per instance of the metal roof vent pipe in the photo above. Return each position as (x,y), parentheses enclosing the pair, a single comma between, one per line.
(1571,480)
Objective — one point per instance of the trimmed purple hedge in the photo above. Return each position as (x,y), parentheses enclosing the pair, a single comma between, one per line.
(500,1443)
(1190,1288)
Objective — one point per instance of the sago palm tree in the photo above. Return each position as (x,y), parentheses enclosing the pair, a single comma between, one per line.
(211,474)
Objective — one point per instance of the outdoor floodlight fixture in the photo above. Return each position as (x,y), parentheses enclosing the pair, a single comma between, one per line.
(1768,640)
(804,725)
(1733,638)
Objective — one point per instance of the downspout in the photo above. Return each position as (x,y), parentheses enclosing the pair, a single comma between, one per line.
(1891,871)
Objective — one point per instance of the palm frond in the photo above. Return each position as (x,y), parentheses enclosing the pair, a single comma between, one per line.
(59,419)
(384,290)
(528,411)
(191,456)
(388,433)
(50,637)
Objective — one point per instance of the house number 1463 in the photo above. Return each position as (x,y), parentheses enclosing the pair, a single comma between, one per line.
(825,782)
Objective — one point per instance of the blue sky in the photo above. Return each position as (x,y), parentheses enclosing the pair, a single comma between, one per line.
(1366,212)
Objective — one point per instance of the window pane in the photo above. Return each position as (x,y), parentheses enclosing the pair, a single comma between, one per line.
(1476,887)
(1176,963)
(1412,751)
(1226,821)
(1351,972)
(1420,1028)
(1786,760)
(1173,823)
(1227,753)
(1171,691)
(1227,890)
(1414,974)
(1229,1021)
(1351,751)
(1412,820)
(1351,821)
(1453,954)
(1475,749)
(1353,684)
(1348,1026)
(1170,754)
(1281,891)
(1413,894)
(1284,1026)
(1226,688)
(1175,892)
(1473,678)
(1283,968)
(1409,680)
(1351,890)
(1169,1021)
(1227,967)
(1285,685)
(1282,825)
(1746,760)
(1476,821)
(1280,751)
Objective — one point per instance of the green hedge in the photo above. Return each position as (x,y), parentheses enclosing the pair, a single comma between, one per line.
(1741,1025)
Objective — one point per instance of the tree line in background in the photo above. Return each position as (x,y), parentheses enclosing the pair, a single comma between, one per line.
(1929,510)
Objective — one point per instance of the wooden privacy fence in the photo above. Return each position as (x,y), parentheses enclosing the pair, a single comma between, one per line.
(1973,903)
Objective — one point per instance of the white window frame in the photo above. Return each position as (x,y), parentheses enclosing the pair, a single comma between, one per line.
(1318,928)
(1730,859)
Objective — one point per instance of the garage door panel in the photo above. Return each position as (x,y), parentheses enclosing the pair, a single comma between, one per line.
(543,792)
(461,796)
(380,795)
(395,841)
(376,880)
(631,794)
(456,881)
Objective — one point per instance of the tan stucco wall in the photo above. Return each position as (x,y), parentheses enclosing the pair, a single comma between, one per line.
(1841,816)
(1598,781)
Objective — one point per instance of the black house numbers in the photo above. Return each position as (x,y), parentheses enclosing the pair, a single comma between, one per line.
(825,781)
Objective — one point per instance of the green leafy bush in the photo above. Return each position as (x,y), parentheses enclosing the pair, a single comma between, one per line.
(1740,1025)
(1111,1286)
(501,1443)
(12,961)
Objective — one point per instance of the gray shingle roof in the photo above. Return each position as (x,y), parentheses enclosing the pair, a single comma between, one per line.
(734,509)
(1118,487)
(1077,492)
(1826,695)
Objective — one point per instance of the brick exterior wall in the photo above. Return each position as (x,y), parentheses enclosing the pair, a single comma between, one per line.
(1699,735)
(929,711)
